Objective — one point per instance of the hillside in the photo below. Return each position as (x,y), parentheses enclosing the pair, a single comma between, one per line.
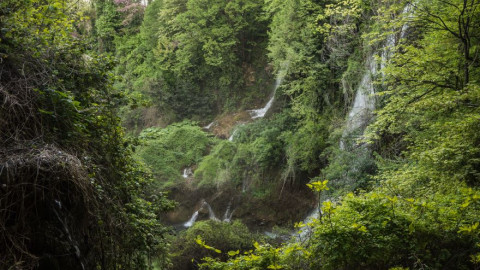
(241,134)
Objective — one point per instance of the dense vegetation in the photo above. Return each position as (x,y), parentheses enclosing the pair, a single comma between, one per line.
(403,174)
(71,193)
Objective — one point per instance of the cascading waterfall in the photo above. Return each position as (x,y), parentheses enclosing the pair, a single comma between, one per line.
(233,135)
(227,217)
(244,185)
(306,230)
(211,214)
(187,172)
(392,38)
(193,218)
(364,104)
(207,127)
(260,113)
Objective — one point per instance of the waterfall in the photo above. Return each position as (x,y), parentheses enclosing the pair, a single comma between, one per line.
(244,185)
(260,113)
(363,105)
(187,172)
(233,134)
(207,127)
(364,102)
(306,231)
(227,217)
(406,10)
(193,218)
(391,40)
(211,214)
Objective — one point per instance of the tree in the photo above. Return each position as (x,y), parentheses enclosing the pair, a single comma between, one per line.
(71,194)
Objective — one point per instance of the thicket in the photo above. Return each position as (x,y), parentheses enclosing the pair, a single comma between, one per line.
(71,194)
(189,247)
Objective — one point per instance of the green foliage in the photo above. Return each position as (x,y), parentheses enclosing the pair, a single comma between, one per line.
(259,148)
(211,238)
(264,256)
(106,25)
(350,169)
(213,170)
(58,120)
(424,211)
(380,230)
(430,109)
(168,150)
(193,58)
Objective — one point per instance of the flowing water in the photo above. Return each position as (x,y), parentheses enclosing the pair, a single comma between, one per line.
(260,113)
(187,172)
(305,232)
(233,135)
(227,217)
(193,218)
(364,104)
(207,127)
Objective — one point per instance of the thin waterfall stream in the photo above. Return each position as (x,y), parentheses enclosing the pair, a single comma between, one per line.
(363,107)
(211,214)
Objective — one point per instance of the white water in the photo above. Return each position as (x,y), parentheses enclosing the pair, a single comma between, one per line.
(211,214)
(407,10)
(207,127)
(227,217)
(364,103)
(363,106)
(260,113)
(193,218)
(392,40)
(244,185)
(307,230)
(233,134)
(187,172)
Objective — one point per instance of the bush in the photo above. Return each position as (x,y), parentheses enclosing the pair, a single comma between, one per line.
(219,235)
